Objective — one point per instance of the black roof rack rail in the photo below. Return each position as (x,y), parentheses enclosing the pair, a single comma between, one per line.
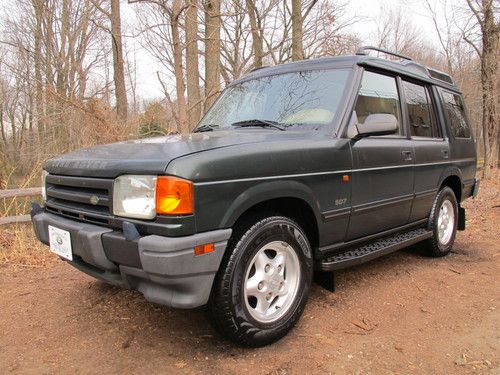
(258,68)
(362,51)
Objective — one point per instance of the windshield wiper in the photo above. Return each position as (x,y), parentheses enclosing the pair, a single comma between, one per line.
(205,128)
(259,122)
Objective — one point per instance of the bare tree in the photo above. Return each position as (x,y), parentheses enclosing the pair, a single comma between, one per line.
(447,41)
(179,74)
(486,46)
(118,62)
(256,27)
(38,10)
(396,32)
(297,34)
(162,34)
(113,13)
(192,67)
(212,50)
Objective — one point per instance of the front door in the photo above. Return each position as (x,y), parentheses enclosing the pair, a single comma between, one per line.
(382,176)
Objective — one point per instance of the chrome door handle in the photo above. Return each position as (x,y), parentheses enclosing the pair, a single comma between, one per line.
(446,154)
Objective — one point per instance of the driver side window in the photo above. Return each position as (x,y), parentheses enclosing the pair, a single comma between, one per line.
(378,95)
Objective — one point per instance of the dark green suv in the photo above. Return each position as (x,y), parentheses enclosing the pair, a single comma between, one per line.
(296,171)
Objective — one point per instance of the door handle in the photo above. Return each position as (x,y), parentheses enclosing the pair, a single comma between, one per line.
(446,154)
(407,155)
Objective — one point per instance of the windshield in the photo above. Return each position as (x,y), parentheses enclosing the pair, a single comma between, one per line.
(307,98)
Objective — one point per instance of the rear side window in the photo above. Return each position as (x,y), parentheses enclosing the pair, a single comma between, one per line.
(378,94)
(455,112)
(420,113)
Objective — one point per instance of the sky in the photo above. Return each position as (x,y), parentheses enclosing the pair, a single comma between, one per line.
(369,12)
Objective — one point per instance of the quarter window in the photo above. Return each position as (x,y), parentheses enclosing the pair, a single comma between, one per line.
(378,94)
(455,112)
(419,106)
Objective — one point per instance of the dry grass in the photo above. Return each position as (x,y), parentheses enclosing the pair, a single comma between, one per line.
(19,247)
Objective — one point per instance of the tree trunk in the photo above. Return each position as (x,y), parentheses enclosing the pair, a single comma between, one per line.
(178,70)
(489,68)
(118,65)
(62,63)
(192,68)
(212,51)
(297,33)
(257,43)
(39,118)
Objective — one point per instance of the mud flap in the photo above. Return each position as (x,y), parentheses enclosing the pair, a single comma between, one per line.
(461,218)
(325,279)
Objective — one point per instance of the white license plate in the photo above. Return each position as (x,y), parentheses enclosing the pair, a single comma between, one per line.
(60,242)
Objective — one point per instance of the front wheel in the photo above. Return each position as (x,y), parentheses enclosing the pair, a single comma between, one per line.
(263,283)
(443,223)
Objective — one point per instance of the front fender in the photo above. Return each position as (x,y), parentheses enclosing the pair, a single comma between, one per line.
(266,191)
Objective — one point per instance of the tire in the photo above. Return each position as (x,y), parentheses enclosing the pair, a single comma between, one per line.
(257,297)
(443,223)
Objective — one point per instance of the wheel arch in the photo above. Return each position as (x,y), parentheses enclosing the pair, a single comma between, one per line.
(287,198)
(452,178)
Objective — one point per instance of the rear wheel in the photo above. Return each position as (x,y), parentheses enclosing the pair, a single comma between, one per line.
(443,223)
(263,283)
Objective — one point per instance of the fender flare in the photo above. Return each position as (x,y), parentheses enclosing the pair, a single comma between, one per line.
(266,191)
(453,170)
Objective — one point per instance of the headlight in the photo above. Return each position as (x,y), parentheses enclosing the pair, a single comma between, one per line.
(134,196)
(44,188)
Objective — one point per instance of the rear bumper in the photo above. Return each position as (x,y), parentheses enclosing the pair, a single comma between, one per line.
(164,269)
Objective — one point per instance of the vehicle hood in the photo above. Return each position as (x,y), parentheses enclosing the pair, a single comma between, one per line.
(152,155)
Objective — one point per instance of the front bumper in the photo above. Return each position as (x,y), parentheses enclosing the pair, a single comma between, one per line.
(164,269)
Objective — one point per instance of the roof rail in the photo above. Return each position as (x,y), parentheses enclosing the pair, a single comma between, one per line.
(362,51)
(259,68)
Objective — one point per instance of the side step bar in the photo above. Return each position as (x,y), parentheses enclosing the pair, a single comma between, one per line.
(365,253)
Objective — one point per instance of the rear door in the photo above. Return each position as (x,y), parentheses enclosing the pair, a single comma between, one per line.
(432,149)
(382,176)
(462,145)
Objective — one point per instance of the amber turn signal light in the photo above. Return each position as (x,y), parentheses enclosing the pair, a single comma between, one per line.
(204,249)
(174,196)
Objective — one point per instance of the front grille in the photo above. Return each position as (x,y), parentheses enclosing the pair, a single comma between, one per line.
(84,198)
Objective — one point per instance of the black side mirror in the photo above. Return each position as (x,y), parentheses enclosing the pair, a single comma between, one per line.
(377,124)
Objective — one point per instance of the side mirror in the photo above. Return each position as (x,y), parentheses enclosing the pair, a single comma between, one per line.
(377,124)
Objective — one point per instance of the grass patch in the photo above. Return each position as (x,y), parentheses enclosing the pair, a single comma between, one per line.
(19,247)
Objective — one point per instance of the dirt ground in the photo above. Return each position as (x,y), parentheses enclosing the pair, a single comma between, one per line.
(404,314)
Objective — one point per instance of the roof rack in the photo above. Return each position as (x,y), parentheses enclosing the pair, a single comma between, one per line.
(259,68)
(434,73)
(362,51)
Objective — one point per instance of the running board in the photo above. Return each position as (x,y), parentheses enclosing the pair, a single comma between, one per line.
(372,250)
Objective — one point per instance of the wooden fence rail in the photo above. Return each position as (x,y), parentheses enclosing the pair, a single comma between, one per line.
(18,193)
(31,192)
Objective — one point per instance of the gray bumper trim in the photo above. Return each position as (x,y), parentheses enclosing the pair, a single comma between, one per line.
(171,274)
(85,238)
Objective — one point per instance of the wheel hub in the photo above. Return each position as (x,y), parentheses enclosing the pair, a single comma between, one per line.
(271,282)
(446,222)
